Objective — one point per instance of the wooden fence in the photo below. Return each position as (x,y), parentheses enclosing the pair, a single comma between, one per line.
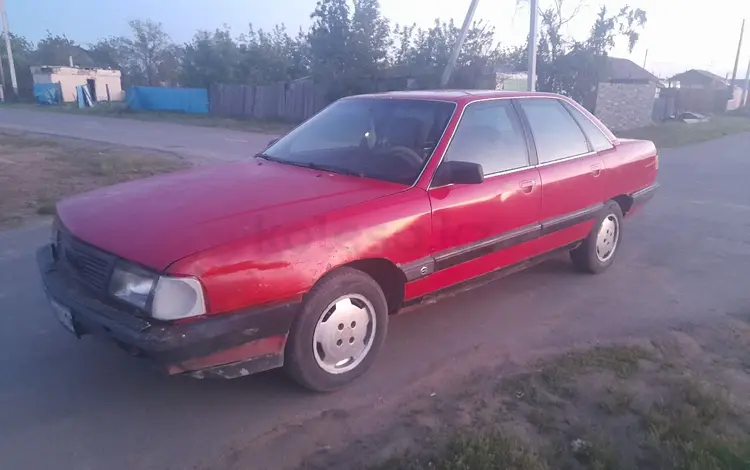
(290,101)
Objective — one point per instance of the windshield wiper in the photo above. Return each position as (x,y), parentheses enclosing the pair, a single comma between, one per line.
(265,156)
(310,165)
(333,169)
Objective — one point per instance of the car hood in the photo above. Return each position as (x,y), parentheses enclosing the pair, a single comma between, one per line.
(158,220)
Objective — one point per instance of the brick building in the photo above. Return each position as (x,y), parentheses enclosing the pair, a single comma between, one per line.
(625,95)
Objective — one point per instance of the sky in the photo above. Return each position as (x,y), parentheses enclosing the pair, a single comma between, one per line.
(679,35)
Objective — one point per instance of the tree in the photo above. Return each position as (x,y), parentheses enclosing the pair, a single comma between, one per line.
(109,52)
(369,38)
(59,50)
(348,47)
(427,51)
(211,57)
(329,40)
(150,57)
(574,68)
(272,57)
(401,44)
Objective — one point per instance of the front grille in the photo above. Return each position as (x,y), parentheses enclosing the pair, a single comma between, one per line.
(90,265)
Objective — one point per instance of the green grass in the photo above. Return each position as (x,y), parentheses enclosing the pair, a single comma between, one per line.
(600,409)
(120,110)
(488,452)
(678,134)
(684,430)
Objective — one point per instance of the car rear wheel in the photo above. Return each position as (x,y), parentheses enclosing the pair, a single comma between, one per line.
(598,250)
(339,332)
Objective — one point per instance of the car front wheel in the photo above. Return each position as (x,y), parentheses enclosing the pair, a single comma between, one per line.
(339,332)
(597,252)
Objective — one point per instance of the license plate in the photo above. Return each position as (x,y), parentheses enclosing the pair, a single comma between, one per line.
(64,315)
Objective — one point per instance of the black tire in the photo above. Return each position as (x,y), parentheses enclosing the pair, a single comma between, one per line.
(299,358)
(584,257)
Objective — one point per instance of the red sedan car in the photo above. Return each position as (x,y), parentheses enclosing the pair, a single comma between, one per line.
(297,257)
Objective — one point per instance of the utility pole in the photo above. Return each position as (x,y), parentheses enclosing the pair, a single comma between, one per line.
(645,59)
(533,25)
(459,44)
(746,89)
(737,58)
(11,64)
(2,80)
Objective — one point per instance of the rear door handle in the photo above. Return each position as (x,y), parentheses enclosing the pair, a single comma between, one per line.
(527,185)
(596,169)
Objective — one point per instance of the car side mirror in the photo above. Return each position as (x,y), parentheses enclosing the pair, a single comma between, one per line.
(454,172)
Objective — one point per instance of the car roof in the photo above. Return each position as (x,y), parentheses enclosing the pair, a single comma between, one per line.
(454,95)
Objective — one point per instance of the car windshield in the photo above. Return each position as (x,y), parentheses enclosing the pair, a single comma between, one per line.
(381,138)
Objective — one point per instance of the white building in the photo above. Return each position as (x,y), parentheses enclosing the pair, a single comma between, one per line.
(104,84)
(510,81)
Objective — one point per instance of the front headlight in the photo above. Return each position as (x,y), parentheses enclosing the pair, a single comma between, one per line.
(164,297)
(132,284)
(178,297)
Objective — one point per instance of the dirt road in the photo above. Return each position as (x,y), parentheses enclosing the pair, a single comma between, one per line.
(198,143)
(70,404)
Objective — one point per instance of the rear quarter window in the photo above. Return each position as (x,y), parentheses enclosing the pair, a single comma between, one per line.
(596,137)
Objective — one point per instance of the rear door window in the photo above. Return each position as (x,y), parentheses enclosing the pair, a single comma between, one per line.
(556,134)
(490,133)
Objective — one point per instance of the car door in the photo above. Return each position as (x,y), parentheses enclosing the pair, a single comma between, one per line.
(620,169)
(478,228)
(571,172)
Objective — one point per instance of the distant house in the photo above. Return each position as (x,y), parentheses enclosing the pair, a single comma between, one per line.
(509,80)
(625,95)
(704,92)
(103,84)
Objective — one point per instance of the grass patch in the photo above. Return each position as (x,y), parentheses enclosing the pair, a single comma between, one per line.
(493,451)
(689,429)
(607,408)
(36,172)
(622,360)
(678,134)
(120,110)
(617,403)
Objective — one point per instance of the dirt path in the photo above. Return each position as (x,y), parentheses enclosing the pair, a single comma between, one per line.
(196,143)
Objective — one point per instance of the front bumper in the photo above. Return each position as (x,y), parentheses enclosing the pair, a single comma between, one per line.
(228,345)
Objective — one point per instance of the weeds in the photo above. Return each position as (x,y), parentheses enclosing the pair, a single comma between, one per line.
(583,414)
(488,452)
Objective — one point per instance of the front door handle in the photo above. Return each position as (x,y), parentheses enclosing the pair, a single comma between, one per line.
(596,169)
(527,185)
